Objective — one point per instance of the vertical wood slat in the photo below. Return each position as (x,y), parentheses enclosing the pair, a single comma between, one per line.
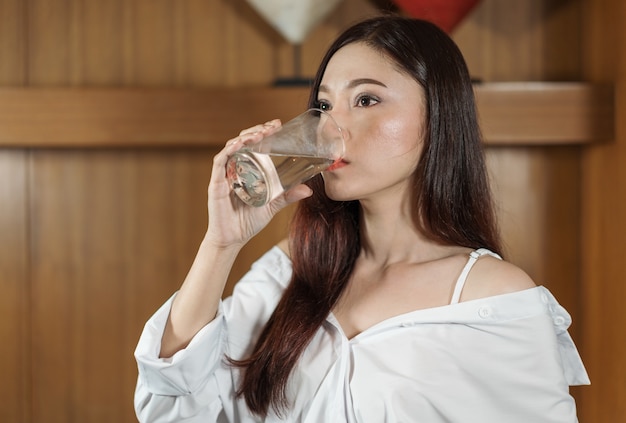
(190,42)
(50,25)
(15,353)
(104,257)
(101,41)
(15,329)
(13,43)
(114,234)
(537,201)
(604,223)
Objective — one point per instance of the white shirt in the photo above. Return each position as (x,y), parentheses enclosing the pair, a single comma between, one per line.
(502,359)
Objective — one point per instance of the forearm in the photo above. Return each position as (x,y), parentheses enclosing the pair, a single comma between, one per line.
(231,225)
(197,302)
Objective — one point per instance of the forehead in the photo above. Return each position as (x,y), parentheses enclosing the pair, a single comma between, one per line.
(359,60)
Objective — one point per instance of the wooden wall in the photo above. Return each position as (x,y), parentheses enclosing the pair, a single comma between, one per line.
(603,246)
(95,239)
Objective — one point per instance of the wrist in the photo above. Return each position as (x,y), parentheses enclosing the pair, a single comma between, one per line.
(211,242)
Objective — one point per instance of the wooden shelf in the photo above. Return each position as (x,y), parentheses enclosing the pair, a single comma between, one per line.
(545,113)
(510,114)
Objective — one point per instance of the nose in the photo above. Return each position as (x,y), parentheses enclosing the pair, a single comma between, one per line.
(333,134)
(342,116)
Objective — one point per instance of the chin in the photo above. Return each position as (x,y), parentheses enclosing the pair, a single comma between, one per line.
(338,190)
(337,194)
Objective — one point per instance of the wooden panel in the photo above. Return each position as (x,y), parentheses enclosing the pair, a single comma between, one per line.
(100,43)
(537,191)
(511,113)
(114,233)
(224,42)
(14,286)
(12,43)
(545,113)
(530,40)
(15,363)
(538,200)
(133,117)
(604,223)
(537,197)
(153,43)
(51,41)
(114,230)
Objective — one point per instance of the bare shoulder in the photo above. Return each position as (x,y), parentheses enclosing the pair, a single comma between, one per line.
(284,245)
(491,276)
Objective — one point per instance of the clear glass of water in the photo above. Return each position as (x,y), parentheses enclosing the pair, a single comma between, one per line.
(300,149)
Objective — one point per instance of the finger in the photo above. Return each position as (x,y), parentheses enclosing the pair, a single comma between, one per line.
(221,158)
(237,143)
(249,136)
(263,128)
(297,193)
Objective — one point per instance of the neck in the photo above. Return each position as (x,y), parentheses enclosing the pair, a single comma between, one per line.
(389,233)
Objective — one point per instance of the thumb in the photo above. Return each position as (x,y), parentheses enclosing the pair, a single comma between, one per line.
(297,193)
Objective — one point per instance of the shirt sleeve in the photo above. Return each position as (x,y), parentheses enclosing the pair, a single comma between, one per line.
(527,360)
(190,385)
(573,367)
(179,388)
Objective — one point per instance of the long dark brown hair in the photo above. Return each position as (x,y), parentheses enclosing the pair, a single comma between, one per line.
(452,202)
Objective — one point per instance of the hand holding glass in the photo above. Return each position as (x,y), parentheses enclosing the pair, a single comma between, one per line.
(297,151)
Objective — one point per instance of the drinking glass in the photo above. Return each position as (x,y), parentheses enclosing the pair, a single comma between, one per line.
(300,149)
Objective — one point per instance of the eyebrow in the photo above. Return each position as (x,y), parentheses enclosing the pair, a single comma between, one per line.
(356,83)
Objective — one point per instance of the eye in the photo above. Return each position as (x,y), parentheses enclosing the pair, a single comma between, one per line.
(366,100)
(323,105)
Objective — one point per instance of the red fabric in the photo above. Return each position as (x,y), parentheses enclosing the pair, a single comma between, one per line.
(446,14)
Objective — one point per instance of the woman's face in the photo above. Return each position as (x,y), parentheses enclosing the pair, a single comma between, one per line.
(381,111)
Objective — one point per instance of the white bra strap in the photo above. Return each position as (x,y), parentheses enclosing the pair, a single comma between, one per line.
(460,282)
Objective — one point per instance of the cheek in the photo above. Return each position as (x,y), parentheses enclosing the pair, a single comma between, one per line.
(398,137)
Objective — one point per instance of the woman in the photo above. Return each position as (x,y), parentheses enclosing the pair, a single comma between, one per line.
(369,313)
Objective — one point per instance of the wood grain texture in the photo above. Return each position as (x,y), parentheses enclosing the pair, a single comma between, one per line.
(114,233)
(15,331)
(12,43)
(154,43)
(530,40)
(545,113)
(603,220)
(510,113)
(138,117)
(107,232)
(537,200)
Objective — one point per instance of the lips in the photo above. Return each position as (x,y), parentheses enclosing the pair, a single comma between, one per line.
(338,164)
